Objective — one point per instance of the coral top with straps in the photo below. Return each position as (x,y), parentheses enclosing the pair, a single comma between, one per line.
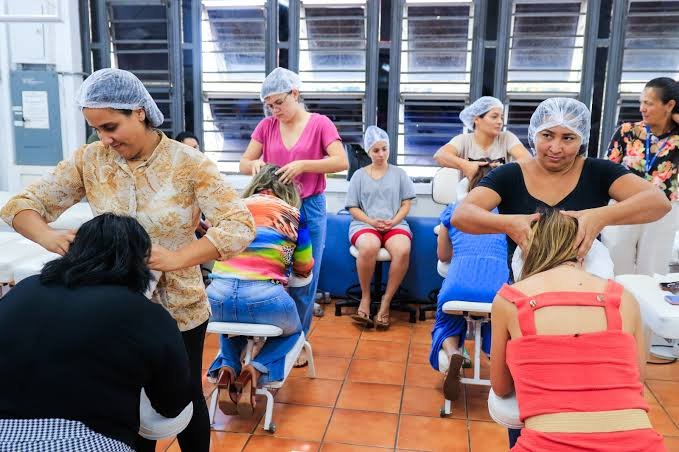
(576,372)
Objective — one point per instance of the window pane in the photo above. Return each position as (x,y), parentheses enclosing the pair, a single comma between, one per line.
(546,45)
(651,44)
(518,116)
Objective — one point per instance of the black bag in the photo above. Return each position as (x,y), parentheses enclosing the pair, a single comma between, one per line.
(358,158)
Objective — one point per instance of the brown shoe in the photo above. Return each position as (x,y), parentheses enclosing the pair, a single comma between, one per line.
(362,318)
(227,396)
(451,383)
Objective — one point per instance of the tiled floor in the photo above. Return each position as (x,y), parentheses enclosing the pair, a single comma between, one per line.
(375,391)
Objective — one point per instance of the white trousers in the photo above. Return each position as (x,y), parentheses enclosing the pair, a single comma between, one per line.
(643,249)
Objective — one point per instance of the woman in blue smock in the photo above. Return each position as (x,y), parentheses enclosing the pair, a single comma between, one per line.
(478,268)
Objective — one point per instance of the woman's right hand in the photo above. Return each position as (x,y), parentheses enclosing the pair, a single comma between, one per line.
(256,166)
(518,228)
(58,241)
(470,169)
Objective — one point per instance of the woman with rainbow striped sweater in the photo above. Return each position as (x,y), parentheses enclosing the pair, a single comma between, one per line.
(250,288)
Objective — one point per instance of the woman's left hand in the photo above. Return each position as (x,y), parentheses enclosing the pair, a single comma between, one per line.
(163,259)
(589,227)
(290,171)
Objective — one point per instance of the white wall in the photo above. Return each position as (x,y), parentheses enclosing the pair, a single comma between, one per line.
(40,43)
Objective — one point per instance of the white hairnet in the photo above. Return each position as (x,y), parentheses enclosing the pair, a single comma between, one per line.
(597,262)
(479,107)
(280,80)
(120,90)
(560,111)
(373,134)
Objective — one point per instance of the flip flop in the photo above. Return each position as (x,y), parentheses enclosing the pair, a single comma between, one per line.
(363,318)
(382,321)
(451,383)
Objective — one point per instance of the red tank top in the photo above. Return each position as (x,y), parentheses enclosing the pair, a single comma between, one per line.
(575,372)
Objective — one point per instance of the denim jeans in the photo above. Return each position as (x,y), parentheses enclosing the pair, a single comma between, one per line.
(263,302)
(313,209)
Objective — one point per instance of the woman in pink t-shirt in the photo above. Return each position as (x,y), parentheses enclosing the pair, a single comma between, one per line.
(306,146)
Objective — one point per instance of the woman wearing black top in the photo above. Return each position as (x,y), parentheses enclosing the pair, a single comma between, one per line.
(79,342)
(560,176)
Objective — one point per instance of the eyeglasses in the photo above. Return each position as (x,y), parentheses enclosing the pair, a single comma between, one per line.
(672,286)
(277,103)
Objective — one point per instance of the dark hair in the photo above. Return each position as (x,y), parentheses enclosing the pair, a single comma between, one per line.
(126,112)
(184,135)
(108,249)
(667,90)
(480,174)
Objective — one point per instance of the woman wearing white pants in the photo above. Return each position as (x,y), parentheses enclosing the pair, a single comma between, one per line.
(650,149)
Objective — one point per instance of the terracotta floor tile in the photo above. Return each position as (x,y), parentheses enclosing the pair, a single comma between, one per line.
(209,354)
(297,421)
(228,442)
(419,353)
(487,436)
(668,372)
(397,332)
(337,447)
(337,329)
(381,351)
(207,386)
(667,392)
(422,375)
(272,444)
(421,336)
(327,367)
(429,402)
(433,434)
(235,424)
(367,371)
(165,444)
(648,395)
(333,346)
(212,340)
(362,428)
(661,421)
(672,444)
(309,391)
(370,397)
(476,398)
(673,412)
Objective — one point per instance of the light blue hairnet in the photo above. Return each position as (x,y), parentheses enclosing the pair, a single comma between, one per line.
(560,111)
(373,134)
(120,90)
(479,107)
(280,80)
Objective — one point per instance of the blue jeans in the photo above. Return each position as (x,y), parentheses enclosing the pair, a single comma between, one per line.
(264,302)
(313,209)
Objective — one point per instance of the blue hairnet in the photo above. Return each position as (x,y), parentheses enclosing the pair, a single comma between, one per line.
(373,134)
(120,90)
(280,80)
(479,107)
(560,111)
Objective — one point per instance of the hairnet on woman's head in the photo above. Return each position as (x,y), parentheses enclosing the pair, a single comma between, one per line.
(477,108)
(560,111)
(373,134)
(120,90)
(280,80)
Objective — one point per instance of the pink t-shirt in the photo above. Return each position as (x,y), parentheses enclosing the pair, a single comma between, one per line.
(311,145)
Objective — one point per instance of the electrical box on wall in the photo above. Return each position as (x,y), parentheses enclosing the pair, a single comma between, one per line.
(35,115)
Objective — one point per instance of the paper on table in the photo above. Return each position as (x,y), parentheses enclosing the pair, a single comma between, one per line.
(35,109)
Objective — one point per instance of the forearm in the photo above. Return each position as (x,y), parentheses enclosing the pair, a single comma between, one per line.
(196,253)
(402,213)
(448,159)
(328,165)
(358,215)
(644,207)
(473,219)
(31,225)
(245,166)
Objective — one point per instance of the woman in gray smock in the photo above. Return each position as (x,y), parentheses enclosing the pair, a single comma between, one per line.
(379,199)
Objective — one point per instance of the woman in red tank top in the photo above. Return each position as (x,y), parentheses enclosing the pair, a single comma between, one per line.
(571,346)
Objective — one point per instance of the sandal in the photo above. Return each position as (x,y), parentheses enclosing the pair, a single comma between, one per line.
(227,395)
(246,385)
(451,383)
(382,321)
(362,318)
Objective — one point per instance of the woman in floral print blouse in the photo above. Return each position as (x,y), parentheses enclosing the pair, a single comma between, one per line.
(136,170)
(650,149)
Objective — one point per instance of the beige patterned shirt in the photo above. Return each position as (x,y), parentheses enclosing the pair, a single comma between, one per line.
(163,194)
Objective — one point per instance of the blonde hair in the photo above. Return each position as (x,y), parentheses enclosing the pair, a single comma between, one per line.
(550,243)
(267,179)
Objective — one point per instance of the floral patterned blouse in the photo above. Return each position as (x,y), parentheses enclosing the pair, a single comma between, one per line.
(163,194)
(628,146)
